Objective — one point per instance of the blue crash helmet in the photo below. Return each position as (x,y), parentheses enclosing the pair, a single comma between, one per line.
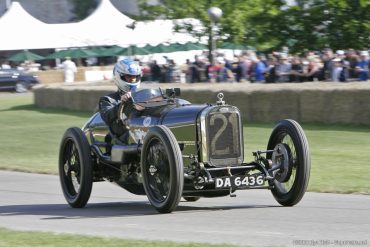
(126,67)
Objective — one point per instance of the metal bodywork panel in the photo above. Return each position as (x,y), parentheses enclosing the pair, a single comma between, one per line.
(181,120)
(213,134)
(183,123)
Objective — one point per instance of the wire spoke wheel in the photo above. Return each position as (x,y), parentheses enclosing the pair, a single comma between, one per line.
(162,169)
(158,170)
(75,169)
(287,175)
(71,167)
(291,151)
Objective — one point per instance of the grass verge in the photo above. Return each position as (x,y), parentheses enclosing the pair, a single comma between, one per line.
(9,238)
(30,140)
(30,136)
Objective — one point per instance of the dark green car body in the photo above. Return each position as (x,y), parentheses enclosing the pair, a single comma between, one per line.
(177,149)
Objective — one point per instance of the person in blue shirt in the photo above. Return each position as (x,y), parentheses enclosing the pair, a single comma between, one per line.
(259,70)
(363,66)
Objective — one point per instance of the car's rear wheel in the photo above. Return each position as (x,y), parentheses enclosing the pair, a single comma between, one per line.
(162,169)
(291,150)
(75,167)
(21,87)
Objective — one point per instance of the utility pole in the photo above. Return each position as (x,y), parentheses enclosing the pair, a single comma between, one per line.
(214,14)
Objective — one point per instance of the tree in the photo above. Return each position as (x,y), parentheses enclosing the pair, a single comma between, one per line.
(268,24)
(338,24)
(243,21)
(83,8)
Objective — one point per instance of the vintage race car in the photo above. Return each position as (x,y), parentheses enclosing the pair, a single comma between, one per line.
(177,149)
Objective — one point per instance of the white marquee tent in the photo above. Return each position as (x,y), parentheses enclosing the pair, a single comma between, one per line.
(159,32)
(105,26)
(20,30)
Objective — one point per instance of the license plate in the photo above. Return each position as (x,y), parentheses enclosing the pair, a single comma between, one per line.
(239,181)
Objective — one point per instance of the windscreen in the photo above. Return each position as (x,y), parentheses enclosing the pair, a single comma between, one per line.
(145,95)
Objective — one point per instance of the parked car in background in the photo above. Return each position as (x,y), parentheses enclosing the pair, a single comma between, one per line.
(16,80)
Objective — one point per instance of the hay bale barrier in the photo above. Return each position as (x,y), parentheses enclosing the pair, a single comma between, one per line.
(321,102)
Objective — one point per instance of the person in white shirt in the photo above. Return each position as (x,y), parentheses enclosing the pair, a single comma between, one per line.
(5,65)
(70,69)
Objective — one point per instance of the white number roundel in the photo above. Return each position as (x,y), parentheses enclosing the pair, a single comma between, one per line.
(147,121)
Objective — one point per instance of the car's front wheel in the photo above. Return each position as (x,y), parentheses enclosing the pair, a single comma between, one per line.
(291,152)
(162,169)
(75,167)
(21,87)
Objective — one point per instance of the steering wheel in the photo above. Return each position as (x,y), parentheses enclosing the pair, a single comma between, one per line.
(123,108)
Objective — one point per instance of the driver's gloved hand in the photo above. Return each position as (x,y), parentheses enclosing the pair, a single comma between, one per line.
(126,97)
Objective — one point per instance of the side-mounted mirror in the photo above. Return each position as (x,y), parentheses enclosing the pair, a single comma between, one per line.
(172,92)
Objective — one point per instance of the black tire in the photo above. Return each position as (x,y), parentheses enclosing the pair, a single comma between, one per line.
(162,169)
(191,198)
(289,133)
(75,167)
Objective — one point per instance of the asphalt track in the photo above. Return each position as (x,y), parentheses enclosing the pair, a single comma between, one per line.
(35,202)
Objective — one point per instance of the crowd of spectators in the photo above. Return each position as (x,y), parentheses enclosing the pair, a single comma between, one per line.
(326,65)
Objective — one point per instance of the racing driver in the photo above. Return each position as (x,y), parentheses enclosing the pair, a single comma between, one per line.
(127,77)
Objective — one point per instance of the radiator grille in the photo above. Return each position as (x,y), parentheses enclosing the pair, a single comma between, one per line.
(223,135)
